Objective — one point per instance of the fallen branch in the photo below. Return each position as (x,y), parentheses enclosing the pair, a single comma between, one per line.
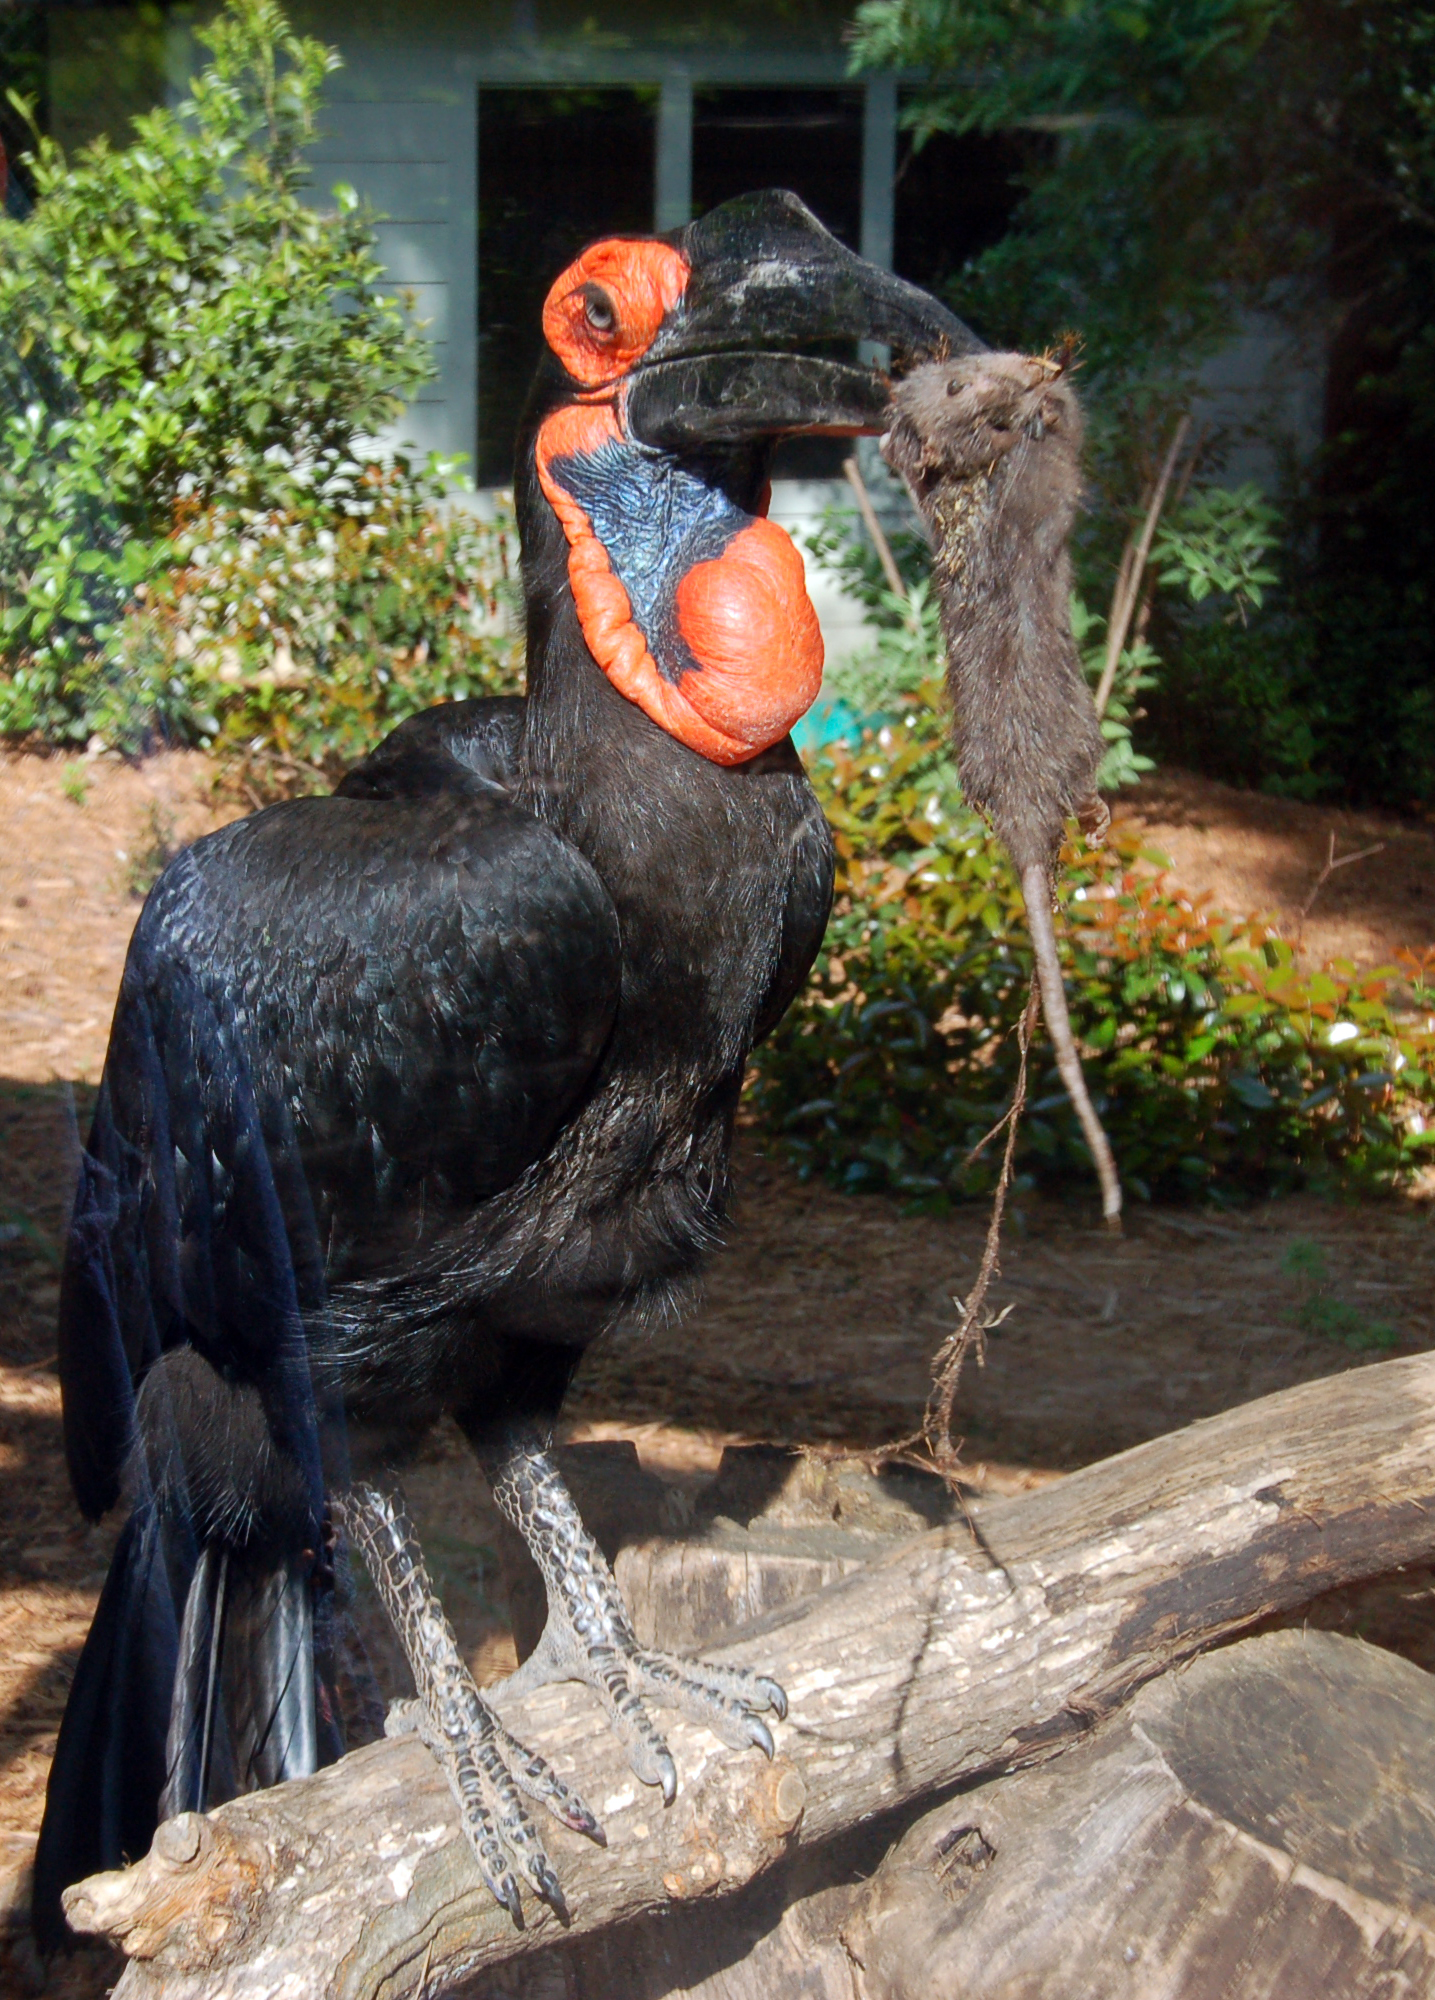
(937,1664)
(1331,864)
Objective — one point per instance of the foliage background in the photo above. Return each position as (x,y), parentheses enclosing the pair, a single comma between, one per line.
(1218,1066)
(193,361)
(1190,164)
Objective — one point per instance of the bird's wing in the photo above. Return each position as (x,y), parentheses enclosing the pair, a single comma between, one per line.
(342,1022)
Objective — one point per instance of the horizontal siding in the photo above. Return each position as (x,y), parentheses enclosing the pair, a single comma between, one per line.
(414,133)
(406,160)
(416,253)
(401,190)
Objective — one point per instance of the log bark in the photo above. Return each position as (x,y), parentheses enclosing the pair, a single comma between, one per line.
(1258,1822)
(1261,1822)
(956,1656)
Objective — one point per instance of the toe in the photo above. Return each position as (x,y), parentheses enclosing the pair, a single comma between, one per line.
(650,1759)
(533,1774)
(773,1696)
(724,1698)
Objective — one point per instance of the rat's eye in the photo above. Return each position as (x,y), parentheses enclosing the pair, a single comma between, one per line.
(598,309)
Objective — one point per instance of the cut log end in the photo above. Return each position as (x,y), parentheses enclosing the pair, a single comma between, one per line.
(186,1904)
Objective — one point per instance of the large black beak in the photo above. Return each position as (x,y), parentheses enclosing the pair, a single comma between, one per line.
(764,340)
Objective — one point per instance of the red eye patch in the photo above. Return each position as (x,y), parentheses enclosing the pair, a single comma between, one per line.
(602,314)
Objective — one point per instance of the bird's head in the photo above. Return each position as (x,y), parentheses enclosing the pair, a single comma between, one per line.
(674,367)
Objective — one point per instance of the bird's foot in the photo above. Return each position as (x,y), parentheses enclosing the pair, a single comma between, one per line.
(487,1769)
(589,1637)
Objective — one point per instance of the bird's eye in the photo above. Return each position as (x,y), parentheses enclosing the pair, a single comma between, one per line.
(598,310)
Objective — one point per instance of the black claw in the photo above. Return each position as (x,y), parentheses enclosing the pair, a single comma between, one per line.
(776,1697)
(759,1734)
(551,1890)
(508,1895)
(668,1778)
(579,1819)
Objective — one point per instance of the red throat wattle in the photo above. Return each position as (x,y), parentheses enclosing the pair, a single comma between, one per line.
(749,651)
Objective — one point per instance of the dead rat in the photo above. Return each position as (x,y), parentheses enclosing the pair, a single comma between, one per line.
(990,448)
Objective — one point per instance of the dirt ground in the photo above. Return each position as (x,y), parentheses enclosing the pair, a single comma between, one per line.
(818,1320)
(1262,857)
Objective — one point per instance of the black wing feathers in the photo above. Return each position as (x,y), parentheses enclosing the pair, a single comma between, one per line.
(343,1022)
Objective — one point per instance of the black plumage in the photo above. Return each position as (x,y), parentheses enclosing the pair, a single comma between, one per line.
(411,1093)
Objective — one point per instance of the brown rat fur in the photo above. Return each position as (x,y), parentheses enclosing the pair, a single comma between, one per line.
(990,447)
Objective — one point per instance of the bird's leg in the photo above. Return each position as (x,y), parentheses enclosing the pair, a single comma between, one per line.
(589,1637)
(486,1768)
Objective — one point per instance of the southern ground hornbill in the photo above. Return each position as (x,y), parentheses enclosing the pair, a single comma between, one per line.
(415,1090)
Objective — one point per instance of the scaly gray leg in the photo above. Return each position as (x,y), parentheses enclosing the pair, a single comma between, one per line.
(588,1636)
(486,1767)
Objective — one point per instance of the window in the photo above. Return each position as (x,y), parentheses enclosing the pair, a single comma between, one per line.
(806,140)
(953,200)
(556,167)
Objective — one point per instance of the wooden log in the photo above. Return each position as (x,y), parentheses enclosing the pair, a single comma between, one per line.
(1259,1822)
(948,1660)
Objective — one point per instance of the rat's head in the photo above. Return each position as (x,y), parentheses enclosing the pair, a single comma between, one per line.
(959,419)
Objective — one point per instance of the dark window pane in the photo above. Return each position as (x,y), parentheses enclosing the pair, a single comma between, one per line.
(25,69)
(955,199)
(556,168)
(806,140)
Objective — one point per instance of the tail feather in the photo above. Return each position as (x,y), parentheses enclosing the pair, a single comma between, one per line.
(189,1746)
(111,1758)
(177,1711)
(268,1676)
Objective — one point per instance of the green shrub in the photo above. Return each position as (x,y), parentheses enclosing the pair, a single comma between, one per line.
(1211,562)
(179,329)
(292,639)
(1219,1067)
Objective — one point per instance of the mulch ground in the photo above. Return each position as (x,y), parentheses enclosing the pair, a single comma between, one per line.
(819,1319)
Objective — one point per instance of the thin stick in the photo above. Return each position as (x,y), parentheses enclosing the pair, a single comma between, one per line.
(1173,504)
(931,1447)
(1036,890)
(936,1432)
(1123,603)
(1331,864)
(883,547)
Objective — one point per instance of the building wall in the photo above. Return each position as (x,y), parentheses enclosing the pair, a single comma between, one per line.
(410,149)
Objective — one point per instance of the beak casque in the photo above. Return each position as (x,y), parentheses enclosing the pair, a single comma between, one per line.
(764,339)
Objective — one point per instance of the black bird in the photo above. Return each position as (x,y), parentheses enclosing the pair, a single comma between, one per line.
(413,1091)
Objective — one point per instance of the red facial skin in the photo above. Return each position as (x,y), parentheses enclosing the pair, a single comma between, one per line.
(602,315)
(746,616)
